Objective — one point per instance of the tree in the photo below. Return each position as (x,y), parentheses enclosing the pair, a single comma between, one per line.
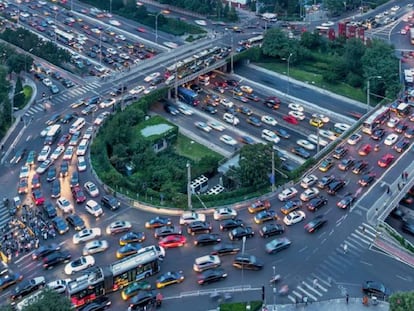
(19,97)
(50,301)
(402,301)
(275,43)
(16,63)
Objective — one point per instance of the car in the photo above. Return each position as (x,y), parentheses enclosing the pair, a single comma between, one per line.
(386,160)
(86,235)
(309,194)
(76,222)
(300,151)
(173,240)
(81,164)
(287,194)
(305,144)
(132,237)
(79,264)
(203,126)
(253,120)
(376,289)
(223,249)
(158,222)
(49,210)
(346,164)
(167,230)
(59,286)
(10,279)
(24,172)
(199,227)
(55,191)
(64,169)
(391,139)
(228,140)
(100,303)
(226,103)
(248,262)
(74,140)
(323,118)
(308,181)
(53,259)
(246,89)
(408,226)
(398,213)
(294,217)
(74,179)
(45,250)
(335,186)
(94,208)
(67,118)
(211,275)
(277,245)
(340,152)
(107,103)
(152,76)
(44,153)
(224,213)
(134,288)
(207,239)
(400,127)
(91,189)
(263,216)
(230,224)
(118,226)
(128,250)
(54,89)
(365,150)
(392,122)
(64,139)
(230,118)
(136,90)
(291,119)
(270,136)
(354,139)
(27,287)
(298,115)
(271,229)
(36,182)
(325,181)
(315,224)
(57,152)
(64,205)
(89,109)
(189,217)
(244,110)
(140,301)
(409,133)
(328,134)
(206,262)
(359,167)
(88,133)
(316,122)
(295,107)
(78,195)
(378,134)
(401,145)
(347,201)
(247,140)
(38,197)
(44,166)
(290,206)
(169,278)
(55,118)
(23,186)
(282,133)
(95,246)
(316,203)
(258,206)
(240,232)
(216,126)
(185,110)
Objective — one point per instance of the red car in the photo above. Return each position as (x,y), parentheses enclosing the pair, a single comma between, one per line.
(141,29)
(38,197)
(365,150)
(78,195)
(173,240)
(35,181)
(64,139)
(291,120)
(385,160)
(23,186)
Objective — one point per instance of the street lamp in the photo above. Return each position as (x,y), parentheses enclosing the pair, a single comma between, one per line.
(288,73)
(156,22)
(190,206)
(231,56)
(274,288)
(368,87)
(110,6)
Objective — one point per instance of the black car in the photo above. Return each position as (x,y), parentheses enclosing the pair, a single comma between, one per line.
(397,213)
(401,145)
(20,154)
(325,181)
(366,180)
(210,109)
(120,90)
(346,164)
(60,225)
(51,173)
(315,224)
(271,229)
(76,222)
(54,119)
(249,262)
(346,201)
(211,275)
(359,167)
(230,224)
(378,134)
(56,258)
(225,249)
(400,127)
(110,202)
(55,192)
(199,227)
(316,203)
(98,304)
(156,81)
(49,209)
(207,239)
(335,186)
(64,169)
(166,230)
(67,118)
(300,152)
(45,250)
(340,152)
(157,222)
(408,226)
(143,299)
(254,121)
(240,232)
(171,109)
(27,287)
(376,289)
(282,133)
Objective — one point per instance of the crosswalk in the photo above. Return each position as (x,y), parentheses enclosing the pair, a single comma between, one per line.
(334,266)
(4,215)
(64,97)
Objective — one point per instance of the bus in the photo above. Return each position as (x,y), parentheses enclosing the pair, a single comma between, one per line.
(403,110)
(255,40)
(101,281)
(64,37)
(188,96)
(53,134)
(322,30)
(376,119)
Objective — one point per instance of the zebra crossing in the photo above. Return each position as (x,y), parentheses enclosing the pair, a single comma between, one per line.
(4,215)
(334,266)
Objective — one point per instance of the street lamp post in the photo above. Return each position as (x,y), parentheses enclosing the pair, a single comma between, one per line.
(288,73)
(231,56)
(156,25)
(368,89)
(100,48)
(71,5)
(110,6)
(190,206)
(274,288)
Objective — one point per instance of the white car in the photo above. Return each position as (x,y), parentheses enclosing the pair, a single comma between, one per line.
(114,22)
(91,188)
(270,136)
(327,134)
(189,217)
(86,235)
(151,77)
(224,213)
(229,118)
(120,37)
(185,110)
(203,126)
(69,153)
(354,139)
(309,194)
(342,126)
(82,164)
(136,90)
(44,166)
(323,118)
(308,181)
(64,205)
(391,139)
(57,152)
(100,118)
(95,246)
(305,144)
(44,153)
(226,103)
(287,194)
(46,130)
(328,24)
(58,286)
(118,227)
(314,139)
(269,120)
(88,133)
(24,172)
(228,140)
(82,263)
(200,22)
(206,262)
(296,107)
(149,89)
(294,217)
(107,103)
(93,208)
(47,82)
(392,122)
(216,126)
(297,114)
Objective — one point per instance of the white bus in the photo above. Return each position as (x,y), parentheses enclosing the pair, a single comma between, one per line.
(403,110)
(64,37)
(375,120)
(255,40)
(53,134)
(77,125)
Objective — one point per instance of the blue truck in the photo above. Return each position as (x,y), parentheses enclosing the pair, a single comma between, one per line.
(188,96)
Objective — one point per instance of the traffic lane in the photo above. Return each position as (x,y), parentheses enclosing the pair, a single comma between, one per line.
(307,94)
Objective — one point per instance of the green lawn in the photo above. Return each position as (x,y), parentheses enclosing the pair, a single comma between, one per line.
(27,90)
(191,149)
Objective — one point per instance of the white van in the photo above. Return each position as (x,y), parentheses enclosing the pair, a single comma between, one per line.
(77,125)
(83,146)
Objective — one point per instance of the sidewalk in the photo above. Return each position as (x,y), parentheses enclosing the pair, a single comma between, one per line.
(395,251)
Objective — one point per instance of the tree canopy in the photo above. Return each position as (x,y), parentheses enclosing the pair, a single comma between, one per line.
(402,301)
(50,301)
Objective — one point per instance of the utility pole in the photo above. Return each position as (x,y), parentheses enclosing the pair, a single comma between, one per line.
(190,206)
(273,170)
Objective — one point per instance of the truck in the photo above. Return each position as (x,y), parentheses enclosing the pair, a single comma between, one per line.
(188,96)
(412,35)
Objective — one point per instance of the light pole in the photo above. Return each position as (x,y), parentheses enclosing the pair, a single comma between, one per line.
(368,89)
(242,266)
(71,5)
(273,171)
(100,48)
(156,22)
(190,206)
(288,73)
(274,288)
(231,56)
(110,7)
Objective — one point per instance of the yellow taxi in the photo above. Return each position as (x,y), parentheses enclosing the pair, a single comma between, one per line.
(316,122)
(169,278)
